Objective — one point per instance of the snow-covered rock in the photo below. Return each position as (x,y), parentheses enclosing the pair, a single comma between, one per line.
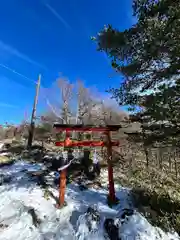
(1,145)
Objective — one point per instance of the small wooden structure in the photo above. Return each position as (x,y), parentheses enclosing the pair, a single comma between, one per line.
(69,143)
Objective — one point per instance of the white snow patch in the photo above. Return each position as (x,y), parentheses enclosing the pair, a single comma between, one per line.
(1,145)
(68,223)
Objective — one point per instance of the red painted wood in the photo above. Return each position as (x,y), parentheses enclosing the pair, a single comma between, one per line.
(85,143)
(106,130)
(62,187)
(59,129)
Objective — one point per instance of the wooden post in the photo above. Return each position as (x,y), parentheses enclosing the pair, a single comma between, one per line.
(110,168)
(62,187)
(62,184)
(32,125)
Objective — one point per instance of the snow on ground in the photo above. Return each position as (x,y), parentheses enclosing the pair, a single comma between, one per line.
(20,195)
(1,145)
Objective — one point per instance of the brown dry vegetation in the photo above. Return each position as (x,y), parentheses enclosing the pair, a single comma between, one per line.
(156,186)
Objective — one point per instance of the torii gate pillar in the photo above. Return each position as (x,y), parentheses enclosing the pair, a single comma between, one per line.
(68,143)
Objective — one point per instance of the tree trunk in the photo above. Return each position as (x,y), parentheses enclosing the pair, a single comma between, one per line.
(169,161)
(175,164)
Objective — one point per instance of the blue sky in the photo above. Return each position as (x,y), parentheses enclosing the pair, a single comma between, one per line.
(52,37)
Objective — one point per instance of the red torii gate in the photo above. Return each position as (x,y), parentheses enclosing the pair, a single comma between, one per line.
(69,143)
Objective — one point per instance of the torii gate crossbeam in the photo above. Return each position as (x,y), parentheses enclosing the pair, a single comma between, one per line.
(68,143)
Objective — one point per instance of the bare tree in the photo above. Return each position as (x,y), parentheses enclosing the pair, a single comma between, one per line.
(79,104)
(105,114)
(2,132)
(85,103)
(60,109)
(66,89)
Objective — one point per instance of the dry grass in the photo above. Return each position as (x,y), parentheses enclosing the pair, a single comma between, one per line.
(155,189)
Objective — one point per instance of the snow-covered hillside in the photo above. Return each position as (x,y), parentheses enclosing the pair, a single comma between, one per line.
(20,198)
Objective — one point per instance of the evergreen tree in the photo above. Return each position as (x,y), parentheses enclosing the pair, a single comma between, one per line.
(148,57)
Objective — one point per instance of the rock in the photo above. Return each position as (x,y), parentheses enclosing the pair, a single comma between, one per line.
(7,154)
(5,179)
(49,180)
(41,181)
(95,185)
(50,154)
(82,187)
(36,146)
(35,152)
(47,158)
(125,214)
(55,164)
(70,155)
(6,146)
(3,226)
(78,154)
(111,229)
(5,160)
(36,221)
(97,169)
(112,226)
(25,154)
(36,173)
(92,217)
(1,145)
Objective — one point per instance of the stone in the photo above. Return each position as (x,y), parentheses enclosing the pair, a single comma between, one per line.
(92,216)
(5,179)
(5,160)
(111,229)
(126,213)
(25,154)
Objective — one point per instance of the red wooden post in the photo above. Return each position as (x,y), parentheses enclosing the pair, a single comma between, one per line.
(62,187)
(62,183)
(110,168)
